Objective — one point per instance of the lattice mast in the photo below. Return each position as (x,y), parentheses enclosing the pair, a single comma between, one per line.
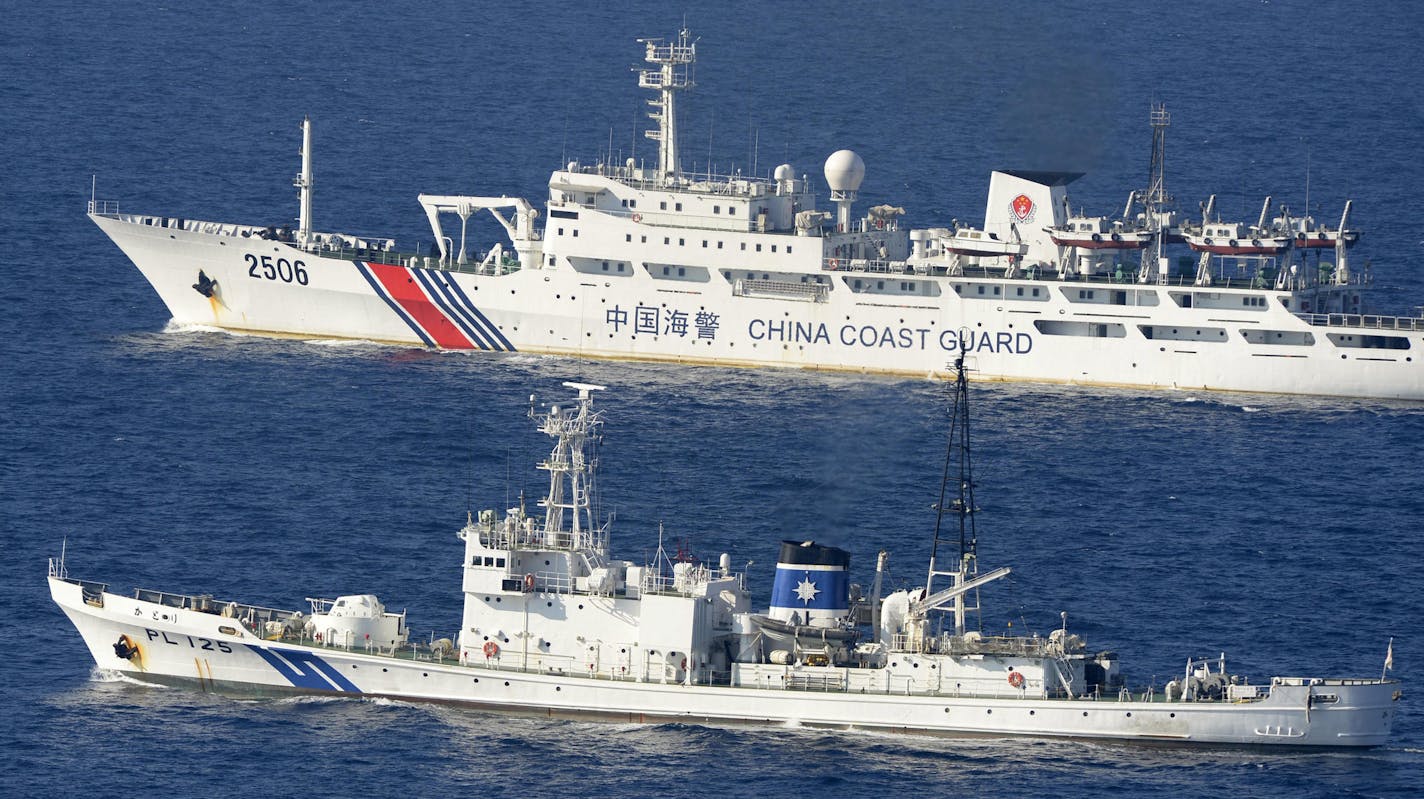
(569,507)
(674,62)
(958,480)
(1155,199)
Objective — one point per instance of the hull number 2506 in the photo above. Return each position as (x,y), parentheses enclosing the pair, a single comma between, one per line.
(265,266)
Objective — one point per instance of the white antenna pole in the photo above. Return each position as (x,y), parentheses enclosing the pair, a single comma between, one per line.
(304,187)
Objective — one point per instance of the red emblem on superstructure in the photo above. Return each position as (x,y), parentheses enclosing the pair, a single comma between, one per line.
(1022,207)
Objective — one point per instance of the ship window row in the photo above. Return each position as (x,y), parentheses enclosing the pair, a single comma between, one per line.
(1216,299)
(1293,338)
(1368,342)
(667,240)
(618,266)
(663,206)
(630,203)
(573,232)
(988,291)
(780,277)
(487,561)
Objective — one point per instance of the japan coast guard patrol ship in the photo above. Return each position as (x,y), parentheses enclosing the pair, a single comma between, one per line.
(554,625)
(645,262)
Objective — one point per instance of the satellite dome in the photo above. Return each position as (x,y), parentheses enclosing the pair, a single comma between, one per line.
(844,171)
(784,172)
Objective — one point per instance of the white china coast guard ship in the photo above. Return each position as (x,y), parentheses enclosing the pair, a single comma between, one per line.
(554,625)
(653,263)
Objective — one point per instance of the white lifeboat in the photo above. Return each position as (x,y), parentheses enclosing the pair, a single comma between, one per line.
(1235,238)
(1097,233)
(977,243)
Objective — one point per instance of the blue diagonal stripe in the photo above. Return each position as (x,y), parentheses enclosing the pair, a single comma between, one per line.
(489,326)
(395,306)
(452,293)
(430,283)
(305,670)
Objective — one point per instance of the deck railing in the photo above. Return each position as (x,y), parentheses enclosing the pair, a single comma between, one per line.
(1364,321)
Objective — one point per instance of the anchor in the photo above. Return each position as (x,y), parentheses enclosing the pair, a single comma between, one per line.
(125,648)
(205,285)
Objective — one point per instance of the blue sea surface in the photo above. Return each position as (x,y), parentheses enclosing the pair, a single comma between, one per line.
(1285,532)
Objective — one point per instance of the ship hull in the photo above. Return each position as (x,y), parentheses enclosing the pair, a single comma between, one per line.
(912,324)
(186,647)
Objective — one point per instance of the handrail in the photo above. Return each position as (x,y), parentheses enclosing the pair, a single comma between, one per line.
(1364,321)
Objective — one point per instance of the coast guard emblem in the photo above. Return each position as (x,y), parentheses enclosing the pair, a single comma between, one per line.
(1022,207)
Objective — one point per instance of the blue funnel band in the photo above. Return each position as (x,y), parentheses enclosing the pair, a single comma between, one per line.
(824,588)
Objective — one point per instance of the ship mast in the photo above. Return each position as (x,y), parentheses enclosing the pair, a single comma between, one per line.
(674,74)
(303,183)
(958,467)
(568,513)
(1155,198)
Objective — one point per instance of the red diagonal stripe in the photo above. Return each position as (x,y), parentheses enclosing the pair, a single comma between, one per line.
(401,285)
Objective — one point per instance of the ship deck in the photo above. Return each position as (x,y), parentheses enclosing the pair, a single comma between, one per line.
(335,246)
(822,679)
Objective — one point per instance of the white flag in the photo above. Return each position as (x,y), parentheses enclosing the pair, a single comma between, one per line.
(1389,656)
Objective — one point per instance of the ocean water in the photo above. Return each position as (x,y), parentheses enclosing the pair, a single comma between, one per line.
(1283,531)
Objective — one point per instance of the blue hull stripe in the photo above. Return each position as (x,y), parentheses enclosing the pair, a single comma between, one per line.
(442,301)
(381,292)
(448,287)
(305,669)
(490,326)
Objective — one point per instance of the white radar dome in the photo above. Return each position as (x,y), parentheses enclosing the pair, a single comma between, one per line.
(784,172)
(844,171)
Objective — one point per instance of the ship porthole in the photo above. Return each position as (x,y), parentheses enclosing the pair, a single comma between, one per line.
(1085,714)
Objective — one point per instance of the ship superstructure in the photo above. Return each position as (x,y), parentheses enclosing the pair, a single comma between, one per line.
(554,624)
(650,262)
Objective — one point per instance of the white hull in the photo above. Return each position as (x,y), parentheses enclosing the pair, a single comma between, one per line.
(179,645)
(1076,332)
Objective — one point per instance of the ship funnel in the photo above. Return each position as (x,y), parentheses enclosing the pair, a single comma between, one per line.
(812,584)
